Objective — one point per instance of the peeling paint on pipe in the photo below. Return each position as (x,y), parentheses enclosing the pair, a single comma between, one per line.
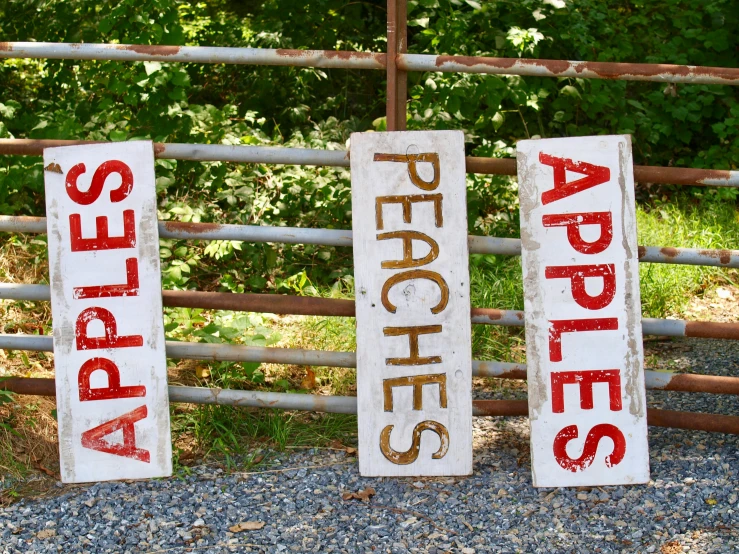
(194,54)
(333,237)
(689,256)
(661,73)
(642,173)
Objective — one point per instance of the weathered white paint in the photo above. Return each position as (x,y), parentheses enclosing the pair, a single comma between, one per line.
(136,313)
(547,248)
(415,302)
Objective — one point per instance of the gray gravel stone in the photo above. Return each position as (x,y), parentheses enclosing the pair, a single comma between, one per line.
(691,504)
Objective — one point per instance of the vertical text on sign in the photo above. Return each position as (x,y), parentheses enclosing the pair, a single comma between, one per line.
(112,401)
(412,283)
(587,401)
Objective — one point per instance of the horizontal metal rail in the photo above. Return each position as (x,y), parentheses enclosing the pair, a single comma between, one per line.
(305,305)
(194,54)
(715,423)
(662,73)
(333,237)
(642,173)
(655,380)
(340,158)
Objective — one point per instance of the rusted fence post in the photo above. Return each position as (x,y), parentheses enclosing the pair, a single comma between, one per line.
(397,79)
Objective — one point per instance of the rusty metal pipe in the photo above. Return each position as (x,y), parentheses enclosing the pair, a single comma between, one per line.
(340,158)
(333,237)
(262,303)
(397,79)
(642,173)
(654,380)
(391,90)
(661,73)
(302,305)
(713,423)
(498,408)
(31,386)
(401,89)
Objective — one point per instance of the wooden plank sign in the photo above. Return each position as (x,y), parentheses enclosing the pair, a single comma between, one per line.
(587,403)
(106,301)
(414,368)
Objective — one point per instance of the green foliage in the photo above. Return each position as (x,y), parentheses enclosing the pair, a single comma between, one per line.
(681,125)
(6,396)
(667,289)
(496,282)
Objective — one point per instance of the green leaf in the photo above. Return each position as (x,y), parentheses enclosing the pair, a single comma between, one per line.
(498,119)
(117,135)
(569,90)
(181,79)
(152,67)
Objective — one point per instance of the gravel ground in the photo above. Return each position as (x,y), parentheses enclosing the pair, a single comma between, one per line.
(689,506)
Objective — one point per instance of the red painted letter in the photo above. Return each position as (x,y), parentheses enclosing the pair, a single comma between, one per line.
(102,241)
(93,439)
(596,175)
(590,448)
(98,180)
(573,222)
(111,338)
(577,275)
(584,380)
(560,326)
(114,388)
(130,288)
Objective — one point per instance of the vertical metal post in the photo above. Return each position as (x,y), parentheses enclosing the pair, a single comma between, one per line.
(397,84)
(401,32)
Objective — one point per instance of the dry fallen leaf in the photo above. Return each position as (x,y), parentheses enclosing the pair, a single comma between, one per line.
(348,449)
(309,381)
(723,293)
(363,495)
(202,372)
(247,526)
(672,547)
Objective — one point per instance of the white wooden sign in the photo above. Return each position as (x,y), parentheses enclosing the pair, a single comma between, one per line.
(587,403)
(111,371)
(414,378)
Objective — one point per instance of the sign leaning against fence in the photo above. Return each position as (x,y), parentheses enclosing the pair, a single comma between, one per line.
(414,375)
(111,371)
(587,403)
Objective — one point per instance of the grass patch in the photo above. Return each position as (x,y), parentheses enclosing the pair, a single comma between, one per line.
(496,282)
(246,437)
(666,289)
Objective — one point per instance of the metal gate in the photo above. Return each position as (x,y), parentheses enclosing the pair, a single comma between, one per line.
(397,63)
